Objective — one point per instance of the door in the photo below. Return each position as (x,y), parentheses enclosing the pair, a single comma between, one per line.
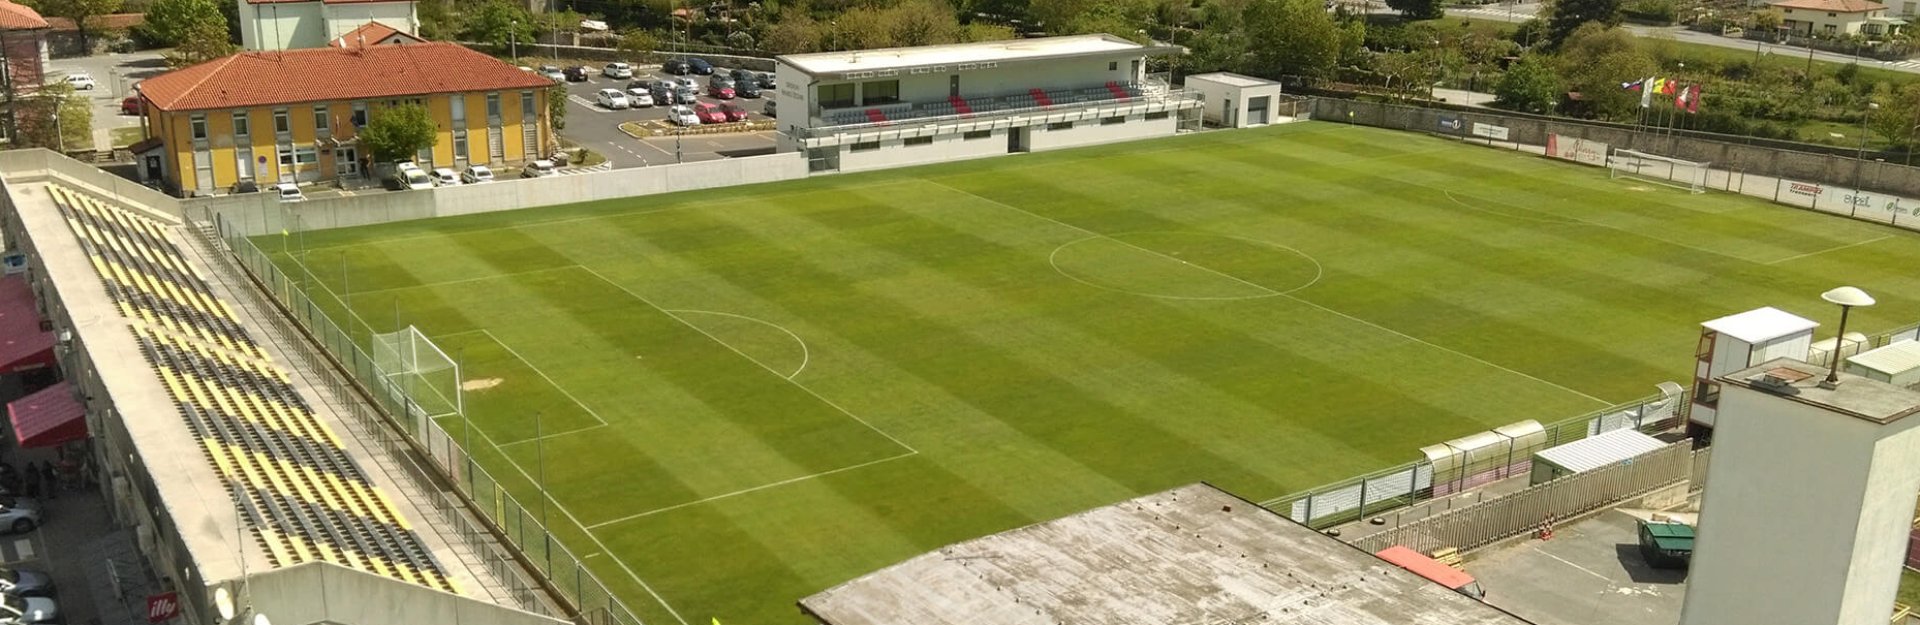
(1017,140)
(203,170)
(1230,113)
(953,85)
(346,162)
(1257,110)
(1135,76)
(153,168)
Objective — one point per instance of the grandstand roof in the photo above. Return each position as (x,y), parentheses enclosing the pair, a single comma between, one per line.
(1043,48)
(1194,554)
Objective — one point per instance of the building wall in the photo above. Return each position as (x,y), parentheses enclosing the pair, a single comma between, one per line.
(281,26)
(1005,79)
(344,18)
(1805,21)
(1793,524)
(224,148)
(896,152)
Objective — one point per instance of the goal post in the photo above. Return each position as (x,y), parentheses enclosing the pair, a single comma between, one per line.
(1657,169)
(418,374)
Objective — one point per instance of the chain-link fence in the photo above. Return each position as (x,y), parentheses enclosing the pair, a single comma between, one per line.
(383,409)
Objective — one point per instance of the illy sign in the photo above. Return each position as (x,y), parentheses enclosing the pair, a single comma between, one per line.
(163,607)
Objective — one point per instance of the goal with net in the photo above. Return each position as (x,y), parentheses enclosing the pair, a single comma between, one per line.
(1657,169)
(418,374)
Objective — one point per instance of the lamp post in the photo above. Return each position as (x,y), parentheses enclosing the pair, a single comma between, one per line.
(513,39)
(1847,297)
(1860,157)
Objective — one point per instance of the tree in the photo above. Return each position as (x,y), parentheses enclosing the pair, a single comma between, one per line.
(202,41)
(1297,37)
(1417,9)
(1768,20)
(637,42)
(1566,16)
(1595,60)
(1898,115)
(922,23)
(81,12)
(557,107)
(498,22)
(169,22)
(1529,85)
(55,119)
(796,32)
(437,21)
(397,133)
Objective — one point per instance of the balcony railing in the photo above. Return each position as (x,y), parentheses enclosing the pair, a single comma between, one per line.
(933,118)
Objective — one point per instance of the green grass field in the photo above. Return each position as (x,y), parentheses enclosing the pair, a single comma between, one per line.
(751,394)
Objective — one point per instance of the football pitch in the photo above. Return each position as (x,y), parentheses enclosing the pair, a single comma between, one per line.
(738,397)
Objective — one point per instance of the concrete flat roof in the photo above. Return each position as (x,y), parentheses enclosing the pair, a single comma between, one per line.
(196,498)
(1761,324)
(1194,554)
(1232,79)
(1606,449)
(1855,396)
(828,63)
(1895,357)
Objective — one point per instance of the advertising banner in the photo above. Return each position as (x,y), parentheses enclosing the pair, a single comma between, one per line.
(1578,150)
(1490,131)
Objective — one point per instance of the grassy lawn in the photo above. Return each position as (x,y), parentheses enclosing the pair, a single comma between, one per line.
(123,137)
(746,395)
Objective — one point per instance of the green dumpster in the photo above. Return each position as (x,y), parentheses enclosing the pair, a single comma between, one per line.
(1666,545)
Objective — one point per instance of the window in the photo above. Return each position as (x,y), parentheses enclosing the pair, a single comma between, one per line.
(240,126)
(526,105)
(280,123)
(880,92)
(911,141)
(976,134)
(493,106)
(199,123)
(459,145)
(321,123)
(836,96)
(1113,66)
(1705,350)
(286,157)
(1060,126)
(458,105)
(866,147)
(1706,393)
(306,156)
(359,114)
(1159,115)
(1109,121)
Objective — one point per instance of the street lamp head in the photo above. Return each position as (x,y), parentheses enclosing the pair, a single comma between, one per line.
(1848,296)
(1873,106)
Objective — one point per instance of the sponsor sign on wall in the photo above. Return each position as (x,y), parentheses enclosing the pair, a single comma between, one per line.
(1579,150)
(1847,201)
(1449,123)
(1490,131)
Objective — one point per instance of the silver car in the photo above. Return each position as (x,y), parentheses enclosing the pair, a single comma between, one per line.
(19,515)
(25,610)
(25,583)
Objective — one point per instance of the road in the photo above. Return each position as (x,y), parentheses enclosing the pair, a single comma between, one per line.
(599,129)
(116,75)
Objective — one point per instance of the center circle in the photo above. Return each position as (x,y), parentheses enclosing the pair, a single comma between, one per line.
(1181,265)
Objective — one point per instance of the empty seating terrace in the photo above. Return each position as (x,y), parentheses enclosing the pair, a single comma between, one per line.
(966,108)
(294,485)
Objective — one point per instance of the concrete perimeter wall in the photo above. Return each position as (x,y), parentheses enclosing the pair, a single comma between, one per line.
(262,213)
(1826,164)
(322,592)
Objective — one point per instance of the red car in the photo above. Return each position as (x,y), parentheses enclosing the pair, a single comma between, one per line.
(724,93)
(133,106)
(734,112)
(709,113)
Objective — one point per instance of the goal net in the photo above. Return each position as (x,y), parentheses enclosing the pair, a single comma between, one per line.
(418,374)
(1657,169)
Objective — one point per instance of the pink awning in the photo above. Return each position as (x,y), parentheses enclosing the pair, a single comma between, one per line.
(23,345)
(49,417)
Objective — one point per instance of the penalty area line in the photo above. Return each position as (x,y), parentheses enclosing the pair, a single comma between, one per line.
(744,491)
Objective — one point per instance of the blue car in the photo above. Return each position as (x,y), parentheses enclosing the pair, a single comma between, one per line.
(700,66)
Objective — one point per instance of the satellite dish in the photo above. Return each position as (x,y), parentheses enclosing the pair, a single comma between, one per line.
(223,603)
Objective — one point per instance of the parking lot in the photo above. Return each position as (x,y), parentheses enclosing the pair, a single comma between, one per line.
(114,76)
(598,128)
(1590,573)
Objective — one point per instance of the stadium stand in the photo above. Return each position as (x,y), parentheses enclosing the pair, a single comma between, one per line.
(289,475)
(955,105)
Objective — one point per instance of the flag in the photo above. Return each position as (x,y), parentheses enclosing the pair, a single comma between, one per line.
(1633,86)
(1660,85)
(1693,103)
(1680,100)
(1646,95)
(716,620)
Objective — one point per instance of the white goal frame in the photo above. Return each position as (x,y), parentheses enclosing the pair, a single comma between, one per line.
(1657,169)
(405,358)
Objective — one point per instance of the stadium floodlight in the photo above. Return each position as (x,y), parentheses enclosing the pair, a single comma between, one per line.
(1657,169)
(1847,297)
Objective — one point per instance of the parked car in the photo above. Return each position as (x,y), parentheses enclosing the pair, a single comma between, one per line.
(618,70)
(765,80)
(444,177)
(742,77)
(553,73)
(642,86)
(686,83)
(25,583)
(82,82)
(720,80)
(408,177)
(244,186)
(677,67)
(663,94)
(768,109)
(133,105)
(746,89)
(709,113)
(734,112)
(289,192)
(537,169)
(682,115)
(577,73)
(700,66)
(476,175)
(25,610)
(717,91)
(687,95)
(612,98)
(639,99)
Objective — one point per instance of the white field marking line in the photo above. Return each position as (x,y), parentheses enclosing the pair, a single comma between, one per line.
(1575,221)
(1318,269)
(802,387)
(1830,249)
(1583,569)
(568,220)
(543,375)
(1557,220)
(576,521)
(553,435)
(749,490)
(428,285)
(1297,299)
(806,355)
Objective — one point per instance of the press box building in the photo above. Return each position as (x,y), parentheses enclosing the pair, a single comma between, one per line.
(867,109)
